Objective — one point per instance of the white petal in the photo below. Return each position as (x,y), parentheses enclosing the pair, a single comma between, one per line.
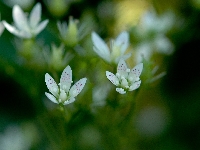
(20,19)
(77,87)
(137,70)
(100,47)
(112,78)
(62,27)
(122,68)
(120,90)
(51,97)
(164,45)
(1,28)
(41,26)
(123,41)
(71,100)
(16,32)
(35,15)
(66,79)
(51,84)
(135,85)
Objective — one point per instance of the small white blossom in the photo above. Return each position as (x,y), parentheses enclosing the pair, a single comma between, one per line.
(63,94)
(25,27)
(117,47)
(125,79)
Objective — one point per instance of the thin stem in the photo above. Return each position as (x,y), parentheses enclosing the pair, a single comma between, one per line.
(131,109)
(65,113)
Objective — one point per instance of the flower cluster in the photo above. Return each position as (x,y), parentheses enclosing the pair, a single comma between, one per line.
(117,47)
(125,79)
(26,27)
(64,95)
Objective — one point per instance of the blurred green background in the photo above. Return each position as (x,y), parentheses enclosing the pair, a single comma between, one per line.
(166,113)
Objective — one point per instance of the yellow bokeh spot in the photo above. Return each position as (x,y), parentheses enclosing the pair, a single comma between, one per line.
(128,13)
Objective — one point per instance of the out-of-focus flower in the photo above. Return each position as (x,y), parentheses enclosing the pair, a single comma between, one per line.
(117,47)
(160,44)
(125,79)
(25,27)
(71,34)
(24,4)
(151,37)
(152,121)
(18,137)
(151,22)
(58,8)
(57,58)
(99,99)
(64,95)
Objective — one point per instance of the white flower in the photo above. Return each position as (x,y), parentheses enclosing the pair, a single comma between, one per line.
(125,79)
(151,34)
(150,21)
(160,43)
(117,47)
(63,94)
(25,27)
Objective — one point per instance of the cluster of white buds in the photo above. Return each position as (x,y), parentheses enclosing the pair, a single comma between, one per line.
(125,79)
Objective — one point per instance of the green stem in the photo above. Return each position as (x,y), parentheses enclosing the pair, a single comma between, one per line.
(129,114)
